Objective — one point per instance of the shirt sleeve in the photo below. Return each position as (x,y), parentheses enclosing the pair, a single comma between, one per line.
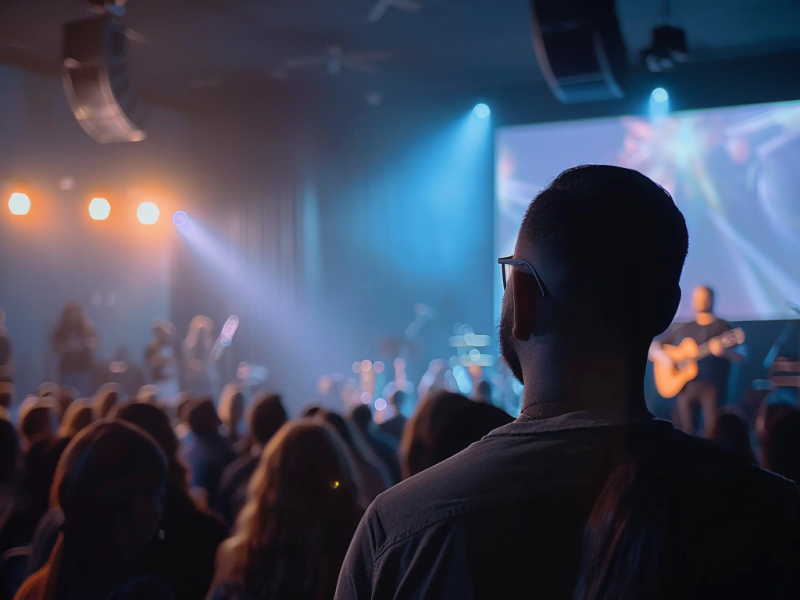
(356,576)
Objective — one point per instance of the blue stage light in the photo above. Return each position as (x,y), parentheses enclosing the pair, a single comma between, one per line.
(659,95)
(180,218)
(481,111)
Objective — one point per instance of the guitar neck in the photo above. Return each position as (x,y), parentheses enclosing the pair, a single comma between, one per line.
(703,350)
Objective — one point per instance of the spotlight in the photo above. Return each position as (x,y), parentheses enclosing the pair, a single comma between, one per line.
(481,111)
(180,218)
(19,204)
(147,213)
(99,209)
(659,95)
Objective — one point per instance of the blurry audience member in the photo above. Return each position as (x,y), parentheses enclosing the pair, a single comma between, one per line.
(443,425)
(311,410)
(636,541)
(36,421)
(9,455)
(396,423)
(768,415)
(162,362)
(267,416)
(6,394)
(32,492)
(149,394)
(301,512)
(79,415)
(384,446)
(199,374)
(731,431)
(370,476)
(434,379)
(6,352)
(782,445)
(66,396)
(74,341)
(108,486)
(594,278)
(183,556)
(483,392)
(48,390)
(106,398)
(124,370)
(208,452)
(231,410)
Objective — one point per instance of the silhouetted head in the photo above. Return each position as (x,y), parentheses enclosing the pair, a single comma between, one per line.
(300,515)
(266,417)
(105,399)
(37,421)
(203,417)
(703,299)
(782,446)
(109,484)
(66,396)
(732,432)
(361,415)
(608,245)
(9,451)
(151,419)
(231,405)
(443,425)
(73,318)
(79,416)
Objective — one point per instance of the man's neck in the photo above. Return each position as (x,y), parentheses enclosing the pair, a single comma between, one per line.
(556,387)
(705,318)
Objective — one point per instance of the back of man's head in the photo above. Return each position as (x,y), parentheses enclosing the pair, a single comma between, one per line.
(266,417)
(609,242)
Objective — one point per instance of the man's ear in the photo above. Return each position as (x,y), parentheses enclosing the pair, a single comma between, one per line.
(526,293)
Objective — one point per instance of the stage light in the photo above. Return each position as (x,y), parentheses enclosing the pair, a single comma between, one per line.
(99,209)
(19,204)
(481,111)
(148,213)
(659,95)
(180,218)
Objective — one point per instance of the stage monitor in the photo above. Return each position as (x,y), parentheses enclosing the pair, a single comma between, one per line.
(734,173)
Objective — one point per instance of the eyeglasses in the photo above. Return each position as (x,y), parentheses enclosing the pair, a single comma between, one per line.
(509,263)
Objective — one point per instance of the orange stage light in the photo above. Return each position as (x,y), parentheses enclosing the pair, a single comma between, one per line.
(99,209)
(19,204)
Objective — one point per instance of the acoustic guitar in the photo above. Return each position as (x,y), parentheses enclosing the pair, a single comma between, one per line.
(671,379)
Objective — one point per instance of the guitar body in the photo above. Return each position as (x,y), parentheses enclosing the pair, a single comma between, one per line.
(670,380)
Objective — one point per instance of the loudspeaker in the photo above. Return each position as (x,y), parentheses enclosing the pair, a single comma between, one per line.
(96,80)
(580,49)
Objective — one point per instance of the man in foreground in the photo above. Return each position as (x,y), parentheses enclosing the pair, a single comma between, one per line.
(593,279)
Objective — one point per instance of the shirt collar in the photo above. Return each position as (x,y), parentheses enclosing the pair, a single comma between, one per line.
(578,420)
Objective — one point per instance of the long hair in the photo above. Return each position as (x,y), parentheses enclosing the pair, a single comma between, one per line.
(104,466)
(82,325)
(292,535)
(635,539)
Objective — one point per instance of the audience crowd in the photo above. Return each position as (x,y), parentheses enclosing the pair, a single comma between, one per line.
(229,498)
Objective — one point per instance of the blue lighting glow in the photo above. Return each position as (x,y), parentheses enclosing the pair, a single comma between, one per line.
(659,95)
(481,111)
(180,218)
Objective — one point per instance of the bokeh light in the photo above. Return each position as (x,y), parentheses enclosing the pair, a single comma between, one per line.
(180,218)
(19,204)
(99,209)
(659,95)
(481,111)
(366,366)
(380,404)
(378,367)
(148,213)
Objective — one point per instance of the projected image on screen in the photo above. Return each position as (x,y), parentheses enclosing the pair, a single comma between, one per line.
(734,173)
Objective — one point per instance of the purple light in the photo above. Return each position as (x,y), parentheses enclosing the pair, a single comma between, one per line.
(180,218)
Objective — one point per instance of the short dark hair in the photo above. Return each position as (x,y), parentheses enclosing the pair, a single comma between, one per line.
(617,234)
(267,417)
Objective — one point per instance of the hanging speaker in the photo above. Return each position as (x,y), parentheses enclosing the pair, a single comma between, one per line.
(580,49)
(96,80)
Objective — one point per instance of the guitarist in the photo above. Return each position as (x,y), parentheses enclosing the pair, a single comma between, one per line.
(712,378)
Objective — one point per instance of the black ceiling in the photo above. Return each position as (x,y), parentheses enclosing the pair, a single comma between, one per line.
(179,48)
